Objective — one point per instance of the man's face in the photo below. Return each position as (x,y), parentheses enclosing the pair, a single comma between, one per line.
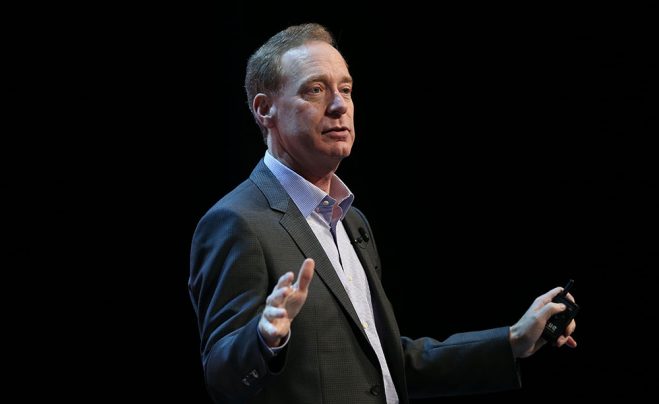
(313,111)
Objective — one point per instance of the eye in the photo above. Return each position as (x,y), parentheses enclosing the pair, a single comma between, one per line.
(315,90)
(346,90)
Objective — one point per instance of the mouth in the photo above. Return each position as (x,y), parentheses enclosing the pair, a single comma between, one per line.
(337,131)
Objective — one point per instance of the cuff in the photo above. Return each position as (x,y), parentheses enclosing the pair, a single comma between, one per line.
(268,352)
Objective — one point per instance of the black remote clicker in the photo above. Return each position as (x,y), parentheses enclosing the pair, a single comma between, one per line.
(557,323)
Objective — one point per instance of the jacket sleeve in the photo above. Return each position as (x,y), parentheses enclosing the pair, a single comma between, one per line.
(228,286)
(465,363)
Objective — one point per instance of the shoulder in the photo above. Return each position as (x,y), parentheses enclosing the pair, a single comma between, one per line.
(237,206)
(245,197)
(231,226)
(256,194)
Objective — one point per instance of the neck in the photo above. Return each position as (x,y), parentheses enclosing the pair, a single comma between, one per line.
(316,172)
(321,182)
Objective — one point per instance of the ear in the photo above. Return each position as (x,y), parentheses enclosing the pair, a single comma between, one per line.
(264,110)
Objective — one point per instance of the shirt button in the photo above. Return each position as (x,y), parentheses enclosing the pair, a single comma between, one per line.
(364,324)
(350,278)
(325,202)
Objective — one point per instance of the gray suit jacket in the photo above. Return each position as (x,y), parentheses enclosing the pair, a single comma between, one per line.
(242,246)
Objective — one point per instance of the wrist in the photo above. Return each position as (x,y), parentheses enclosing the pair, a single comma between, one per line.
(515,341)
(273,342)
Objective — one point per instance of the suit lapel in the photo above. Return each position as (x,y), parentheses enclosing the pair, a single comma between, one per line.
(298,228)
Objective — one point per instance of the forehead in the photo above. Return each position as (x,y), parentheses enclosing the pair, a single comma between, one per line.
(313,58)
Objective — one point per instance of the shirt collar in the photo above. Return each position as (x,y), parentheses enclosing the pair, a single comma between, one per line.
(306,196)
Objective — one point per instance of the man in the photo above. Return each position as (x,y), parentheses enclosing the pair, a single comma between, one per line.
(330,336)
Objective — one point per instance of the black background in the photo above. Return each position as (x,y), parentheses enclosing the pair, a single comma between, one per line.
(522,135)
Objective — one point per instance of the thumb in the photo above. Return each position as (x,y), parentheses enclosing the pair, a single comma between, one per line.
(550,309)
(305,275)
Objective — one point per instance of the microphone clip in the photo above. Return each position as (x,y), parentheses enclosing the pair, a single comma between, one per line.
(363,237)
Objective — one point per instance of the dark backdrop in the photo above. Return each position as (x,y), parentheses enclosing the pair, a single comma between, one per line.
(521,134)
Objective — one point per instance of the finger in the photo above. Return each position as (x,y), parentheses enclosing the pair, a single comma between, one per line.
(268,329)
(305,275)
(570,298)
(272,313)
(285,280)
(571,342)
(552,293)
(563,340)
(271,333)
(541,300)
(570,328)
(278,296)
(550,309)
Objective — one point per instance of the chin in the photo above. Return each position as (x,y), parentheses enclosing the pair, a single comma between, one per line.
(342,153)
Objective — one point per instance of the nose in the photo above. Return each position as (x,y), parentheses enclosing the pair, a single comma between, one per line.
(338,105)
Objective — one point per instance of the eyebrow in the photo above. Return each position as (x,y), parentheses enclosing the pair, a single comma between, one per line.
(324,78)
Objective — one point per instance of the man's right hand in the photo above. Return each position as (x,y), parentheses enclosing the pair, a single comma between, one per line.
(284,303)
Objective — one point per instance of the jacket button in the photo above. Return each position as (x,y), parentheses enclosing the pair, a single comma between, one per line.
(376,390)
